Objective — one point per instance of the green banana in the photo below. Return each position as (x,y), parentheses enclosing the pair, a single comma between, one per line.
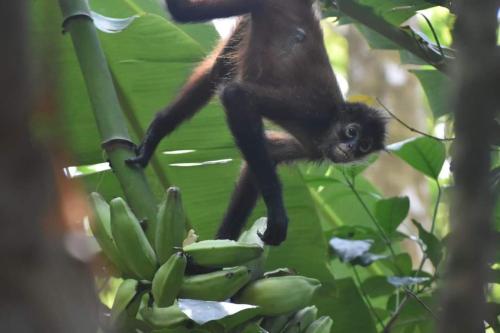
(133,320)
(275,324)
(279,295)
(124,295)
(131,241)
(171,225)
(215,286)
(301,320)
(168,279)
(251,236)
(320,325)
(100,223)
(222,253)
(158,318)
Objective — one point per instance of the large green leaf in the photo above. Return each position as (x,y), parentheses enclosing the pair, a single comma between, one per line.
(433,247)
(425,154)
(413,318)
(396,12)
(203,33)
(336,201)
(391,212)
(376,286)
(436,86)
(142,58)
(348,310)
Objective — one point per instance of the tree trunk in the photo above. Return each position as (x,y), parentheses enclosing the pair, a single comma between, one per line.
(475,100)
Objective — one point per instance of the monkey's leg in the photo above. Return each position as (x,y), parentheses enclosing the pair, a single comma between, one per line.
(242,202)
(282,148)
(205,10)
(245,122)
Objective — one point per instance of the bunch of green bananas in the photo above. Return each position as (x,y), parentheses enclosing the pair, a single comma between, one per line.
(303,321)
(154,275)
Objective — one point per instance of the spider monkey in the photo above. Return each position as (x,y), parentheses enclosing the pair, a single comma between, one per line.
(273,66)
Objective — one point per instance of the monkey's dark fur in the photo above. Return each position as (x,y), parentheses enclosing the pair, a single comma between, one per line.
(273,66)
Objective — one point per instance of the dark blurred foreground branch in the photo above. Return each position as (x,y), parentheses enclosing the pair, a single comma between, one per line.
(475,100)
(42,288)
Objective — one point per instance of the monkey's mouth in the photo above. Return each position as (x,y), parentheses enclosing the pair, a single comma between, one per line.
(341,156)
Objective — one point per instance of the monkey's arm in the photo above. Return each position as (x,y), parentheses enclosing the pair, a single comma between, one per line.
(205,10)
(245,107)
(283,148)
(194,95)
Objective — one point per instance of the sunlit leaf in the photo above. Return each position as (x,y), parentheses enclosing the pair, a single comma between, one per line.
(348,249)
(406,281)
(202,312)
(425,154)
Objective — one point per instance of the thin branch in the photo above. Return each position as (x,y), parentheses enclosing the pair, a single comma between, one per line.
(436,207)
(395,316)
(425,306)
(433,226)
(372,218)
(366,298)
(408,126)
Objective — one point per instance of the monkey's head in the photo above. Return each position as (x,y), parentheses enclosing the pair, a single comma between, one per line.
(358,131)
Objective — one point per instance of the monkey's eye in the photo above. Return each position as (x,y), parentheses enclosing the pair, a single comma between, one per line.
(365,146)
(351,132)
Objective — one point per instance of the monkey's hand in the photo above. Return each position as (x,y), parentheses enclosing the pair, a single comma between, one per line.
(146,149)
(277,225)
(144,153)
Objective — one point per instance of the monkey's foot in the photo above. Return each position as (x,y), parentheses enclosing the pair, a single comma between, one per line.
(276,230)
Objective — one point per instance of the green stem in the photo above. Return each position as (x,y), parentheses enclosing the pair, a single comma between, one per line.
(436,206)
(108,114)
(365,296)
(433,226)
(381,231)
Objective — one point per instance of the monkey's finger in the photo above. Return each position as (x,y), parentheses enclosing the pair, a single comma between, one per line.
(141,161)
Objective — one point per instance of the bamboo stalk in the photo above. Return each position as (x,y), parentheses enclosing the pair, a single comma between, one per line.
(108,114)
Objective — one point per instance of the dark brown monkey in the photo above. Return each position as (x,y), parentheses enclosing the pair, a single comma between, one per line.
(273,66)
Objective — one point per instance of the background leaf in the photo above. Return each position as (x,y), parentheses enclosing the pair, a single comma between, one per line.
(434,248)
(435,84)
(425,154)
(391,212)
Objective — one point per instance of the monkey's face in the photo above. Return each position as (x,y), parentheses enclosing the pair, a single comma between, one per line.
(359,131)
